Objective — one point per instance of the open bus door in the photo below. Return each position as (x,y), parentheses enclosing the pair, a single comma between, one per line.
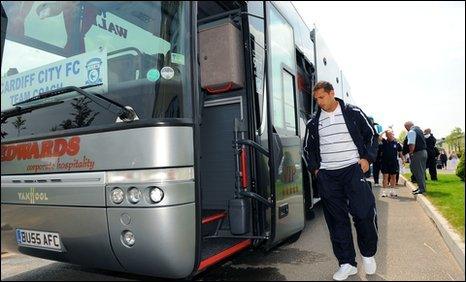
(274,185)
(287,214)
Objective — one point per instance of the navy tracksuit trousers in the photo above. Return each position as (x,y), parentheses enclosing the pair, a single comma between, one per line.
(342,191)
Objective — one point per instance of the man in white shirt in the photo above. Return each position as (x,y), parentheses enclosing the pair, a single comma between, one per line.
(340,143)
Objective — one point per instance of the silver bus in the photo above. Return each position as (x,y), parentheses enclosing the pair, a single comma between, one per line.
(155,137)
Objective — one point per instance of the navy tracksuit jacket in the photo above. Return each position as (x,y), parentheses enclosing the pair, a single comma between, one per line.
(345,190)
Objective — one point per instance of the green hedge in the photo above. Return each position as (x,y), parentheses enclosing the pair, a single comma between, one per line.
(460,168)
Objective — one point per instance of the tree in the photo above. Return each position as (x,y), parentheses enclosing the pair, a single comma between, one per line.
(4,133)
(19,124)
(455,140)
(402,135)
(83,116)
(460,168)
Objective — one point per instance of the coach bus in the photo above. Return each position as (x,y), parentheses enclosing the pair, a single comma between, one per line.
(155,137)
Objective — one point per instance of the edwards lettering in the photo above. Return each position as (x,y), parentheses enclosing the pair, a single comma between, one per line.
(38,150)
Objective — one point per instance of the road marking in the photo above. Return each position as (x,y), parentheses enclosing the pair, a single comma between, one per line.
(430,248)
(450,277)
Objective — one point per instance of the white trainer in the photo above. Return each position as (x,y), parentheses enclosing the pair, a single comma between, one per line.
(369,265)
(344,271)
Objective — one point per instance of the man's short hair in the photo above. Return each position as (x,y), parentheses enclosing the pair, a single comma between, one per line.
(327,86)
(409,123)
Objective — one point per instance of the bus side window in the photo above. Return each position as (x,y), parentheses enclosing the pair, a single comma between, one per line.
(305,82)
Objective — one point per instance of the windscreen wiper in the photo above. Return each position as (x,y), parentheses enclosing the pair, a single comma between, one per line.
(124,113)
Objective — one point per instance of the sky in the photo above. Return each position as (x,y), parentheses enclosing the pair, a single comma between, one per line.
(403,60)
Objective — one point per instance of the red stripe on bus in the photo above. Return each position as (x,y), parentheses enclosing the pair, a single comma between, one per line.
(214,217)
(244,170)
(224,254)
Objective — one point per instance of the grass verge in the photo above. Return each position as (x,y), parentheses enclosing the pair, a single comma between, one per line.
(447,195)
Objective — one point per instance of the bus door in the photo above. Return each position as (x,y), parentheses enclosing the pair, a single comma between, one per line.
(284,141)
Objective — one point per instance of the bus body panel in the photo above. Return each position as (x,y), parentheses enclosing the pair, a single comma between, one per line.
(83,239)
(327,67)
(68,189)
(346,89)
(292,223)
(78,205)
(289,209)
(164,240)
(136,148)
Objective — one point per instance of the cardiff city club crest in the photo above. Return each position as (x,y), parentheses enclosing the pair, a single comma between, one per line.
(93,71)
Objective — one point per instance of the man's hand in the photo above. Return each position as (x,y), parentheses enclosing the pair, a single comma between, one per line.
(316,172)
(364,165)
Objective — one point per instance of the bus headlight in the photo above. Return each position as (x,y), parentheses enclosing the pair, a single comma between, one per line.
(128,238)
(134,195)
(156,194)
(117,195)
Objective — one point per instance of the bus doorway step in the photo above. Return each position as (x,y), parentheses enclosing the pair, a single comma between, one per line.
(215,250)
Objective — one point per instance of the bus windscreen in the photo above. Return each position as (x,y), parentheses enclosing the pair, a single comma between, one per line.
(133,53)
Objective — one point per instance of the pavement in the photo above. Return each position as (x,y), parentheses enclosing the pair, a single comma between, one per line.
(452,239)
(410,248)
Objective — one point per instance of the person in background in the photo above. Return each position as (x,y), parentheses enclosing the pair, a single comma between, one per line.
(453,160)
(432,154)
(377,163)
(391,149)
(401,162)
(417,154)
(407,157)
(443,158)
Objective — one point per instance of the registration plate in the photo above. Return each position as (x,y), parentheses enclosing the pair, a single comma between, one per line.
(38,239)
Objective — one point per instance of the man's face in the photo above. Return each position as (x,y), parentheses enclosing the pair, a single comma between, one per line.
(325,100)
(390,136)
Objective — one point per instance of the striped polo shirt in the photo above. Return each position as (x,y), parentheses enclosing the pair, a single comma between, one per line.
(337,149)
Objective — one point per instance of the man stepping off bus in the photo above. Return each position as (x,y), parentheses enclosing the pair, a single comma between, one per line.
(340,143)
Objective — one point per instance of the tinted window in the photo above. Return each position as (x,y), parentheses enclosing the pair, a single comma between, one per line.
(135,53)
(282,52)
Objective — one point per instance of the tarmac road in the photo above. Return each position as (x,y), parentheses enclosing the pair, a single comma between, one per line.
(410,248)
